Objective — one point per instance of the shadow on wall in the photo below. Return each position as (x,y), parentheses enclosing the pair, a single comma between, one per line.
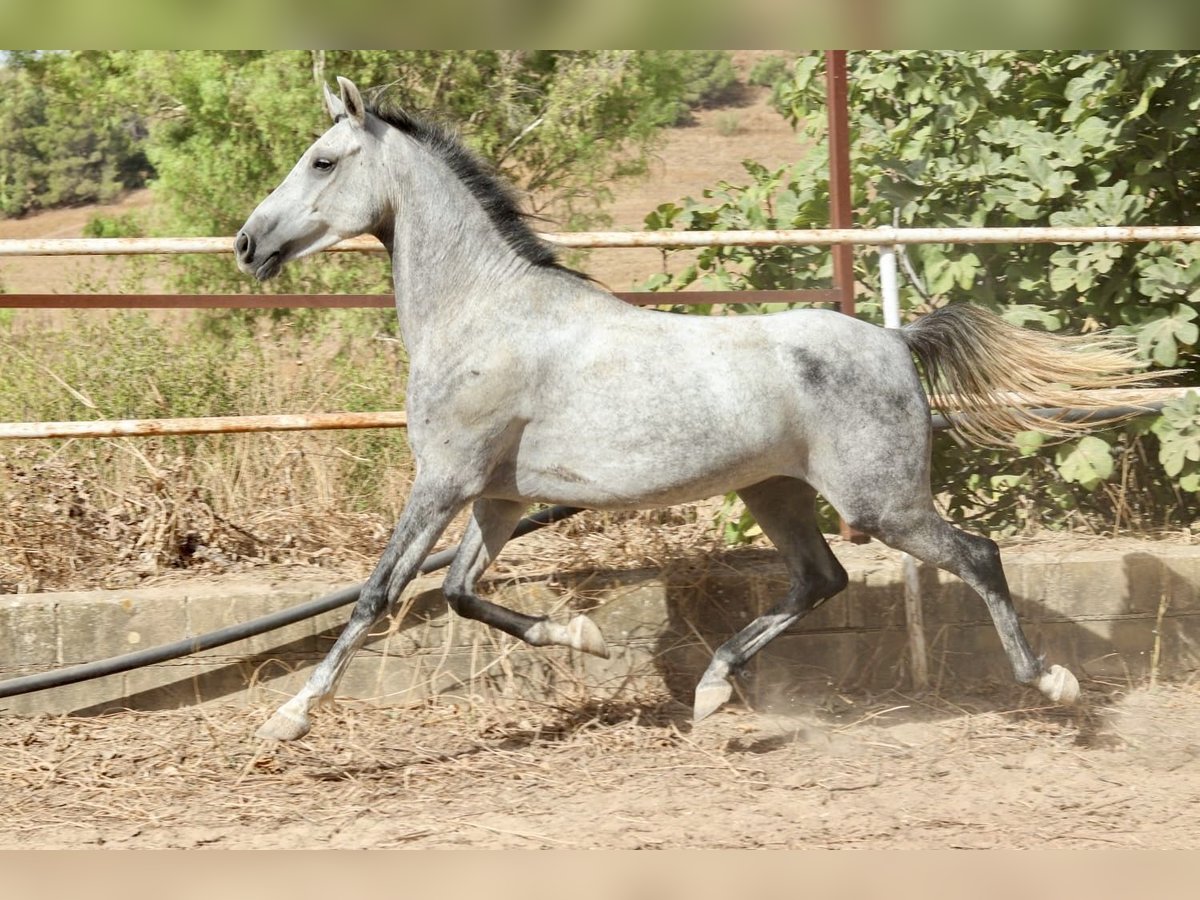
(1113,618)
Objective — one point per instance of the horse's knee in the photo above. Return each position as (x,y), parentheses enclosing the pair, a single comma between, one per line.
(372,605)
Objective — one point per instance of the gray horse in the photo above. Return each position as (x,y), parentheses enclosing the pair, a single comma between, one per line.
(530,383)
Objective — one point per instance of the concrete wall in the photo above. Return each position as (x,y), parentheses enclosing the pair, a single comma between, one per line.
(1109,611)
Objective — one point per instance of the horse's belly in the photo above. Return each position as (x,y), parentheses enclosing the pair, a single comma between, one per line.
(613,475)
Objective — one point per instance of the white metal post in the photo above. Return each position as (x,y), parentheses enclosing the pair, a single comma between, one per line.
(914,614)
(888,286)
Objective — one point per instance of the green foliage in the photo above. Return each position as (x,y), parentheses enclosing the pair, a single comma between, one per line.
(1001,139)
(1162,340)
(791,197)
(64,138)
(697,78)
(1178,431)
(123,225)
(769,71)
(734,521)
(1009,139)
(1087,461)
(218,129)
(224,127)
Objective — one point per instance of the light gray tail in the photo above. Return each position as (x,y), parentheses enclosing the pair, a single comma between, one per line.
(988,376)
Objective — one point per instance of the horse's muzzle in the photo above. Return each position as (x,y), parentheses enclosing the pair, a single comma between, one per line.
(245,249)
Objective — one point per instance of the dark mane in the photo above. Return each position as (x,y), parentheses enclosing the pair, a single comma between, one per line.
(496,197)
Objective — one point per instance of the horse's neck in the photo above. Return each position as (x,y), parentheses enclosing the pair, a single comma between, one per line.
(448,260)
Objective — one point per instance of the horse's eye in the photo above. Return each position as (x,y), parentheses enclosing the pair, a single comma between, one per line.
(322,164)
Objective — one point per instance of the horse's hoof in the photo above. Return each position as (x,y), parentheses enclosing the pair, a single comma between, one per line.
(1059,685)
(284,726)
(584,635)
(711,695)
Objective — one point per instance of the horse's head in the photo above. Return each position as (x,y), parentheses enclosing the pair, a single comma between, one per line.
(334,192)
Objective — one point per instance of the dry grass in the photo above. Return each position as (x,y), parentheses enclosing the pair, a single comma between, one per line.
(240,502)
(67,530)
(111,512)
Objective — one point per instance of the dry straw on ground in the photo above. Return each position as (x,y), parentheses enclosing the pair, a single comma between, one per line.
(896,771)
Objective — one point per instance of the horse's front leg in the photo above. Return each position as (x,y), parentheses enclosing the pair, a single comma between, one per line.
(431,506)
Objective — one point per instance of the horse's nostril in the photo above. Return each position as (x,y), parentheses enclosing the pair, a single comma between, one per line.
(244,246)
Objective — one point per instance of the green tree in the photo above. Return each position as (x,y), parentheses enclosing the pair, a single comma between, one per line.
(1003,139)
(63,139)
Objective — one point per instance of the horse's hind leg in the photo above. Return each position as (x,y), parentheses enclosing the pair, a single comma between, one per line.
(784,508)
(492,524)
(918,530)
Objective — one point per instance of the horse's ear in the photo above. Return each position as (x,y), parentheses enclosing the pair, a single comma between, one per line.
(332,104)
(352,101)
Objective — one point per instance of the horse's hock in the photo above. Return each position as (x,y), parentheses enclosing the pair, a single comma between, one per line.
(1117,611)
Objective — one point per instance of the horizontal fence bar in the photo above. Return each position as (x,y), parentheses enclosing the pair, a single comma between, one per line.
(882,236)
(202,425)
(195,301)
(709,298)
(1144,398)
(370,301)
(169,246)
(672,239)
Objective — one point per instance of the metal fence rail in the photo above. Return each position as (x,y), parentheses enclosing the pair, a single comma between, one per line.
(665,239)
(1123,400)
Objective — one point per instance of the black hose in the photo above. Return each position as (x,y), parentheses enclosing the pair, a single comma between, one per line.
(86,671)
(151,655)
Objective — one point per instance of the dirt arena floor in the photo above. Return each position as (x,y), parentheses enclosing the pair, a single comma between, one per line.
(982,771)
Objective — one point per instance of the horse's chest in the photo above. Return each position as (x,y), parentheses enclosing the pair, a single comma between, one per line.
(463,406)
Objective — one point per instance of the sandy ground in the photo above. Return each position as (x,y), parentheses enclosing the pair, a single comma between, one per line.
(887,772)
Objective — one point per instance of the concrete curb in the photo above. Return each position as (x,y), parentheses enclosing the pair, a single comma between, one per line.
(1110,611)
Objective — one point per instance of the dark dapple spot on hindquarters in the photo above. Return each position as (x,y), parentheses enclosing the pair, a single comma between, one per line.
(813,370)
(890,408)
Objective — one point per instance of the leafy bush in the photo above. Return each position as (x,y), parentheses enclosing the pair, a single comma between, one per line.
(1178,430)
(62,138)
(769,71)
(1004,139)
